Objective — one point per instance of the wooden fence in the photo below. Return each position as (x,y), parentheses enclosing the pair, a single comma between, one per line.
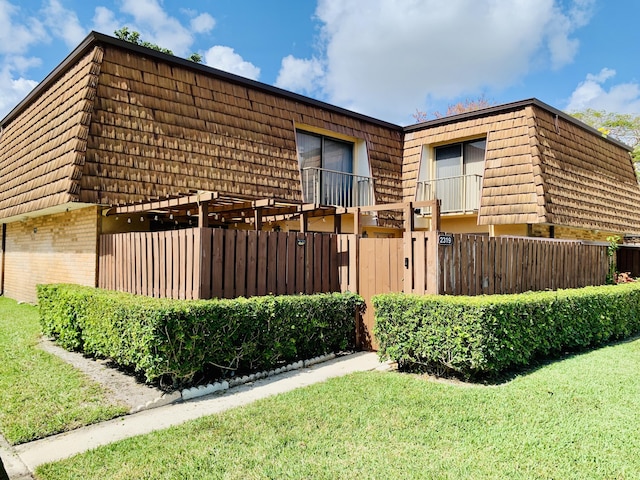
(628,259)
(207,263)
(477,264)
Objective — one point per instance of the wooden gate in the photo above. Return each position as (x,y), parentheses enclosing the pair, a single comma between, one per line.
(380,271)
(407,264)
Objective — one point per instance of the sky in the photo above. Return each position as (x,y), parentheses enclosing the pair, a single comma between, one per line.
(382,58)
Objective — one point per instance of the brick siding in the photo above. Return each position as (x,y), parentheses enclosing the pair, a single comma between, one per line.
(60,248)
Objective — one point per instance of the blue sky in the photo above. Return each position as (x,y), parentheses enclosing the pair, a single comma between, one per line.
(384,58)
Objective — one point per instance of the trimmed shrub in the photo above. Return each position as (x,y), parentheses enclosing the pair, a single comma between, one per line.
(174,340)
(484,336)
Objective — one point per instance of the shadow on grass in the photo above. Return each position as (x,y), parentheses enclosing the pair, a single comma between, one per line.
(444,373)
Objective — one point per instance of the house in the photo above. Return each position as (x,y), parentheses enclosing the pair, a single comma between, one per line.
(116,127)
(525,169)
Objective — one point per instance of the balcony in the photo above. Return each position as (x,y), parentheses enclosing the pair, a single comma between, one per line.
(458,194)
(340,189)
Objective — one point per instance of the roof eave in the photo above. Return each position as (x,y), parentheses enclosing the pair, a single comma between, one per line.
(510,107)
(95,38)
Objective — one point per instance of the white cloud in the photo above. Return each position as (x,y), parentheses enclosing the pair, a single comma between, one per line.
(591,93)
(13,89)
(105,21)
(18,34)
(63,23)
(300,75)
(156,26)
(386,57)
(225,58)
(203,23)
(560,25)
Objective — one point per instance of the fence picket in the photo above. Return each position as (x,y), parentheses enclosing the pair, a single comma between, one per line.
(226,263)
(272,261)
(252,263)
(242,264)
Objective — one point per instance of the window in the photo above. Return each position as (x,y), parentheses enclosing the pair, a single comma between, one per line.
(327,169)
(457,176)
(460,159)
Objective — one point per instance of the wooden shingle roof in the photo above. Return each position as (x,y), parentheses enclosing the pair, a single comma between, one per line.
(118,123)
(157,125)
(588,182)
(541,166)
(42,150)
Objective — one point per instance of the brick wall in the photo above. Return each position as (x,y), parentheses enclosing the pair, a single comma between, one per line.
(569,233)
(58,248)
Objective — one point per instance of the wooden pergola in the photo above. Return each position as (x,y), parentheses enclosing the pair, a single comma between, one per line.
(213,209)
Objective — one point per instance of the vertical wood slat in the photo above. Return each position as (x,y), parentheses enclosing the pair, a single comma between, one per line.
(154,259)
(281,265)
(419,262)
(217,267)
(514,265)
(291,264)
(308,264)
(299,263)
(149,256)
(229,263)
(184,265)
(316,279)
(261,287)
(241,264)
(205,262)
(325,269)
(272,261)
(196,262)
(347,262)
(252,263)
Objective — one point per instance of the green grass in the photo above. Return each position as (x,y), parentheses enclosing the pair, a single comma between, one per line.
(41,395)
(574,419)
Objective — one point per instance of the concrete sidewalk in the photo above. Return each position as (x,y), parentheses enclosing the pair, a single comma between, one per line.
(23,459)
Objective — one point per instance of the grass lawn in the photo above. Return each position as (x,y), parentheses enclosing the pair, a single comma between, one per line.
(40,394)
(574,419)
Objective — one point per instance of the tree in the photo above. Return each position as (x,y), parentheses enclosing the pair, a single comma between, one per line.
(134,37)
(624,127)
(456,108)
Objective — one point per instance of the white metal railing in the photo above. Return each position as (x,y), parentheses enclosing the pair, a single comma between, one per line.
(458,194)
(330,187)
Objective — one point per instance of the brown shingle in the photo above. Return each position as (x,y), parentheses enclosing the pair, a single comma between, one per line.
(43,147)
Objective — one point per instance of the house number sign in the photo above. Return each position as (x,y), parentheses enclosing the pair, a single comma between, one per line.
(445,239)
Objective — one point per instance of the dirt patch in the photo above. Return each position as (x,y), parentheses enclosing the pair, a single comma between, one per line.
(121,387)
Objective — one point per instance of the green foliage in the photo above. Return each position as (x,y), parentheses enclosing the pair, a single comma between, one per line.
(612,247)
(621,126)
(485,336)
(176,339)
(134,37)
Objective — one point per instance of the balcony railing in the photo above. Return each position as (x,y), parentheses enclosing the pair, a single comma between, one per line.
(329,187)
(458,194)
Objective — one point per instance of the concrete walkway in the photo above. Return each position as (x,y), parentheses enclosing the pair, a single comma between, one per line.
(23,459)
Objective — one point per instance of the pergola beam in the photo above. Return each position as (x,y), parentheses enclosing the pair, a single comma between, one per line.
(173,202)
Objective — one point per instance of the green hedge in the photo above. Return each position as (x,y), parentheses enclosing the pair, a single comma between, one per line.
(487,335)
(173,340)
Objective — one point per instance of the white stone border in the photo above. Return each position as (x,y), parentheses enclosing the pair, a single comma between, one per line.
(202,390)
